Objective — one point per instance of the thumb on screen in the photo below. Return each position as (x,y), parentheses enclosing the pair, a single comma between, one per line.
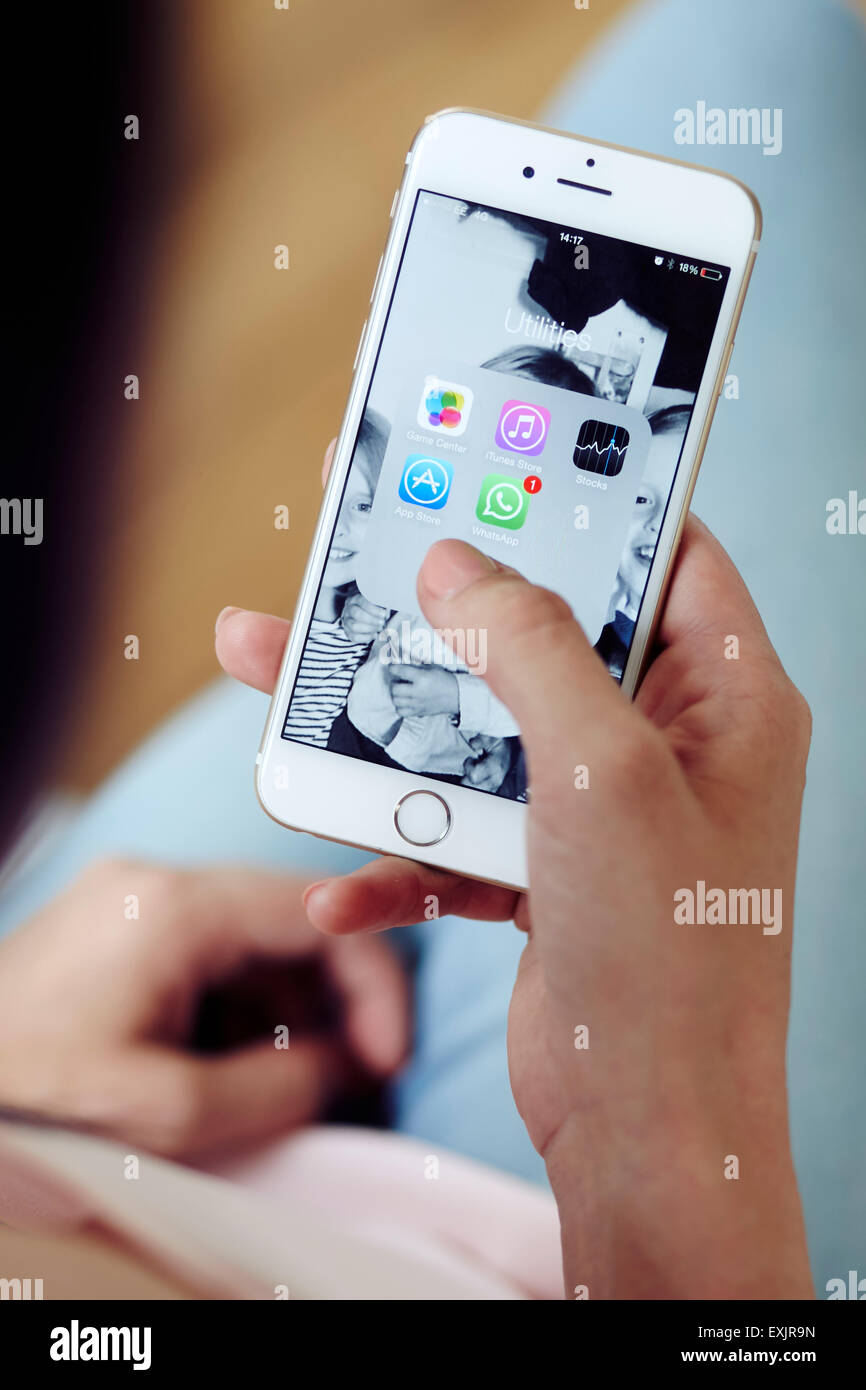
(537,660)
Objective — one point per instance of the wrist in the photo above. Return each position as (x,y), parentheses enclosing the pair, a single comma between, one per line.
(690,1211)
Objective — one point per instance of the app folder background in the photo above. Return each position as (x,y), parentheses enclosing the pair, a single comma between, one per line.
(580,565)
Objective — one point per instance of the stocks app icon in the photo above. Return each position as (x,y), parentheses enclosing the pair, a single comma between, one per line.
(601,448)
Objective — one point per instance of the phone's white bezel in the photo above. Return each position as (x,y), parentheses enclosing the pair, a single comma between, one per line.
(654,202)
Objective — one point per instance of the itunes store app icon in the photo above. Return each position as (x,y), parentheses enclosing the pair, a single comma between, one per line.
(522,428)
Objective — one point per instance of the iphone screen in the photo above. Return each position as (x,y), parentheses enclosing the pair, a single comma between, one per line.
(531,394)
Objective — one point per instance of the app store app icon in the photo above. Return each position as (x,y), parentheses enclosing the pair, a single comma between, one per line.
(425,481)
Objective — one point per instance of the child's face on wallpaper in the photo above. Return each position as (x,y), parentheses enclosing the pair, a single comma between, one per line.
(641,542)
(350,532)
(648,512)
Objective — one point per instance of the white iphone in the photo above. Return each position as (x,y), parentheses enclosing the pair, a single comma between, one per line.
(551,323)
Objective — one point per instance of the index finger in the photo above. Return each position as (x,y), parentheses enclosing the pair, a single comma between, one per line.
(392,892)
(250,646)
(708,598)
(714,646)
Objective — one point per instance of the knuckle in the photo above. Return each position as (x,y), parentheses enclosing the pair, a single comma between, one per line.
(795,719)
(801,715)
(778,706)
(635,763)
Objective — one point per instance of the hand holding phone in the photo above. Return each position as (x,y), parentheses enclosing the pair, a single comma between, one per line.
(642,1050)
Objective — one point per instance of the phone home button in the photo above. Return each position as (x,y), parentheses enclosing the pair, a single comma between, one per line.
(422,818)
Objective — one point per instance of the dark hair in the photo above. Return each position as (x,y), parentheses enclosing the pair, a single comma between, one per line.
(76,335)
(371,444)
(546,365)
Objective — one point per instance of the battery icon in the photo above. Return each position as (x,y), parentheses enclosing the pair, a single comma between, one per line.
(708,274)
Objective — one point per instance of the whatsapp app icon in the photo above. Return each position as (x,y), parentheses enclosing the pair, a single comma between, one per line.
(502,502)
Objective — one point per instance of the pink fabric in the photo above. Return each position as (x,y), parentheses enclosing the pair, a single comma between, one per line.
(373,1182)
(34,1199)
(467,1225)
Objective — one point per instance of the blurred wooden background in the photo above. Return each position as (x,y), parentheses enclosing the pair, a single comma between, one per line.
(292,127)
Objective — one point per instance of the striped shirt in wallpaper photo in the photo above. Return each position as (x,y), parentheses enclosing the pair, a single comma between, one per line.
(325,677)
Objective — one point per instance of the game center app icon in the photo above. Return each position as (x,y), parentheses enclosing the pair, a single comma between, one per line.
(503,501)
(522,428)
(426,482)
(444,406)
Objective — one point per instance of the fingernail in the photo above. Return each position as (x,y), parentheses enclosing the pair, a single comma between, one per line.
(313,895)
(226,613)
(451,566)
